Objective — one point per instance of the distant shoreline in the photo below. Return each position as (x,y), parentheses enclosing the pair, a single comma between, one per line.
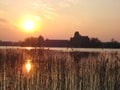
(77,41)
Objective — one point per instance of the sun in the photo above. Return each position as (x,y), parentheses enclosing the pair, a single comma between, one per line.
(29,25)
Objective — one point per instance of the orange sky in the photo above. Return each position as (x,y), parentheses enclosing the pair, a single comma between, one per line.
(59,19)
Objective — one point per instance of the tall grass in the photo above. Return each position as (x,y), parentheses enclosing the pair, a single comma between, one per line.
(57,70)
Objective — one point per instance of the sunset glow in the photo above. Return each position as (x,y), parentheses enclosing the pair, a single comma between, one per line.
(53,19)
(29,23)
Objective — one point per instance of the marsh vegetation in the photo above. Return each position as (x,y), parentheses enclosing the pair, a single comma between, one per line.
(57,70)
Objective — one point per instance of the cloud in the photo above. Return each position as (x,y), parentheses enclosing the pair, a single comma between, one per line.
(2,20)
(44,8)
(3,16)
(67,3)
(50,9)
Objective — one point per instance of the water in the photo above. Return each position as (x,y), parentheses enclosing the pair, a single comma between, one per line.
(64,49)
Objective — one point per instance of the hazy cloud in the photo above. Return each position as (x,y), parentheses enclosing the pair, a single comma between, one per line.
(44,8)
(50,9)
(67,3)
(3,20)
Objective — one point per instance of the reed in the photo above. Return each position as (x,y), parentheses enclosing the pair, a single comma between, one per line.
(57,70)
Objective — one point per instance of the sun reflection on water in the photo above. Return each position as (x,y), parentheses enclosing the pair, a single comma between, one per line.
(27,67)
(28,48)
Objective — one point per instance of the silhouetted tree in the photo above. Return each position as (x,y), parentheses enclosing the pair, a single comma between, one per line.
(95,43)
(31,41)
(112,44)
(75,41)
(79,41)
(40,41)
(85,42)
(77,35)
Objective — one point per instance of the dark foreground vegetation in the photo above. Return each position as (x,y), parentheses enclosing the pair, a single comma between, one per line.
(57,70)
(77,41)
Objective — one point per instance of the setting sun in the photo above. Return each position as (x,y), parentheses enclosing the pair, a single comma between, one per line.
(29,25)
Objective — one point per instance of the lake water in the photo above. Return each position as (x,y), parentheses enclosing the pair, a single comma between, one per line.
(64,49)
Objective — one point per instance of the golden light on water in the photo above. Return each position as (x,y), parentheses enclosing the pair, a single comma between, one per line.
(27,67)
(28,48)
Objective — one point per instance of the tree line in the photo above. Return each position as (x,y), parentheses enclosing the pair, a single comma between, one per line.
(77,41)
